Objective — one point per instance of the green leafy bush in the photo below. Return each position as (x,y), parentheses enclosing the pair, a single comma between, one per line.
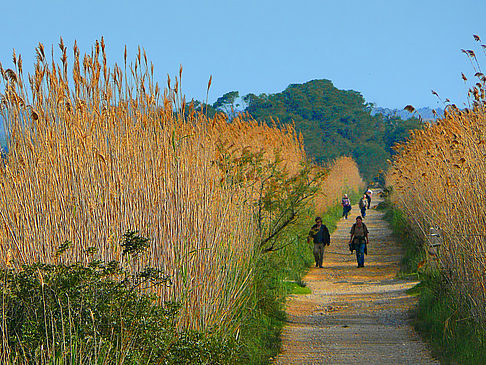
(99,312)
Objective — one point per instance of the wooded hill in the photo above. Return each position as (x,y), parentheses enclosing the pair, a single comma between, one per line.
(333,122)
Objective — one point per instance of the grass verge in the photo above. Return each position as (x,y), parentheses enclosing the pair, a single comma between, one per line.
(298,288)
(278,274)
(441,316)
(414,252)
(443,320)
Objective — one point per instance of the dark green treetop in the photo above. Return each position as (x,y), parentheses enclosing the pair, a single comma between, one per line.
(334,123)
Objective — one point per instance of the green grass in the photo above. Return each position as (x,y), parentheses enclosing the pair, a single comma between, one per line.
(414,251)
(331,217)
(293,287)
(443,320)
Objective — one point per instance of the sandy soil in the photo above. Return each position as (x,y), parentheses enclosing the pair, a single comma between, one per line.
(355,316)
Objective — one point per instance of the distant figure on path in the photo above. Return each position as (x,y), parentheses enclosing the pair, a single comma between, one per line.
(363,203)
(359,240)
(369,193)
(346,203)
(320,234)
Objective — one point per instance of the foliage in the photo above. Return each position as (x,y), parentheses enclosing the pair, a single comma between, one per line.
(282,200)
(86,313)
(281,193)
(334,123)
(133,244)
(227,103)
(195,106)
(398,130)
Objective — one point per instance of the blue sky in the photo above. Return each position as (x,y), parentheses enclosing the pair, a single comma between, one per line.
(393,52)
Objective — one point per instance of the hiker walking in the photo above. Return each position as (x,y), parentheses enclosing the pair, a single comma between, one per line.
(359,240)
(368,196)
(320,235)
(346,203)
(363,203)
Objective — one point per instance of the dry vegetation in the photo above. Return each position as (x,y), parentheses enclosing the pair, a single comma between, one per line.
(343,177)
(100,152)
(439,180)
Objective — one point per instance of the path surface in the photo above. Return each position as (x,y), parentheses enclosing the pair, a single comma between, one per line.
(354,316)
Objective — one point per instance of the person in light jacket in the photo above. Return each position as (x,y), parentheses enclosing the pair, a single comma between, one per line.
(363,203)
(359,240)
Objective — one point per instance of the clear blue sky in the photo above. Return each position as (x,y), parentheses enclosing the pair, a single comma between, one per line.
(393,52)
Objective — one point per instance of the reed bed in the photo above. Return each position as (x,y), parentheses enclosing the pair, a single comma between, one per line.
(104,151)
(98,151)
(343,177)
(439,180)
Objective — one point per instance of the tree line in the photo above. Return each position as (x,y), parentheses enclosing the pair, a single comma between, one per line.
(333,122)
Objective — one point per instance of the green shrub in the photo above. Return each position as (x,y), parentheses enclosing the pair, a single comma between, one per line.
(97,313)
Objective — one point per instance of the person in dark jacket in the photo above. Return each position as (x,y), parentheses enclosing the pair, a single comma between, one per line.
(369,193)
(320,235)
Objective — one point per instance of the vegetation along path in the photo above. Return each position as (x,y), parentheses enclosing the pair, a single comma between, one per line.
(355,316)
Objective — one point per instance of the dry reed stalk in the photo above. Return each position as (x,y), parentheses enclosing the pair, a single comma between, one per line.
(439,180)
(343,177)
(107,151)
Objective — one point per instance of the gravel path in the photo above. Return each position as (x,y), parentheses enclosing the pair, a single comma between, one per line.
(354,316)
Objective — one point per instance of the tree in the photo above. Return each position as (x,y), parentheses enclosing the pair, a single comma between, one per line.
(333,123)
(227,103)
(280,198)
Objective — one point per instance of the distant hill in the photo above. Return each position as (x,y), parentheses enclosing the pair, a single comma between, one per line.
(425,113)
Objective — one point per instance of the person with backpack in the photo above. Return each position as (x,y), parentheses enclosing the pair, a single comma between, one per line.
(321,237)
(346,203)
(359,240)
(363,203)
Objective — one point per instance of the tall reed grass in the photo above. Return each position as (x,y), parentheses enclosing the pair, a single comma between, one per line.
(98,151)
(343,177)
(103,151)
(439,180)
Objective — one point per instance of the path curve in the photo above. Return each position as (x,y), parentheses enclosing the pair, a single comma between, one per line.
(355,316)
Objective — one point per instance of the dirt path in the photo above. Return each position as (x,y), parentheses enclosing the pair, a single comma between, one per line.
(354,316)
